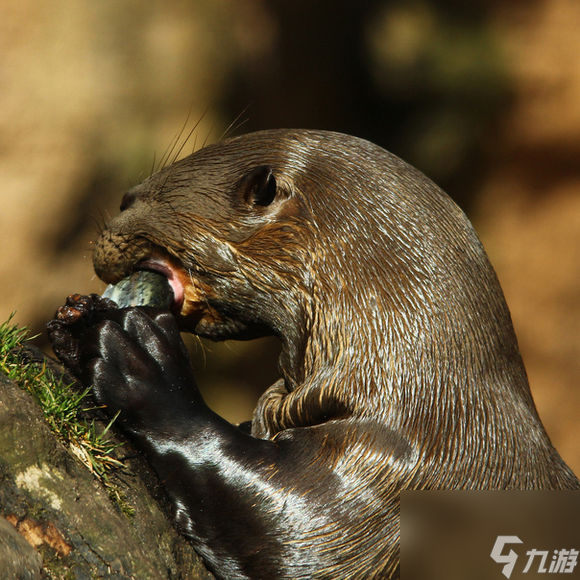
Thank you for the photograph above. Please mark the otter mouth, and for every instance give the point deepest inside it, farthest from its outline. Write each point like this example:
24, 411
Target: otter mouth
161, 281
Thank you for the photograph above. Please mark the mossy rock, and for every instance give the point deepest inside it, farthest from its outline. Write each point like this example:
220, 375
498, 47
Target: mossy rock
58, 519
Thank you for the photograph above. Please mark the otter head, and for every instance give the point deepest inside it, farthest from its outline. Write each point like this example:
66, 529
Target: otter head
224, 226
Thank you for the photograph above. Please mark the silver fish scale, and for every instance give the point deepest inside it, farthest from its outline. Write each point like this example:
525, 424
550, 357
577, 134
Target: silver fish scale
142, 288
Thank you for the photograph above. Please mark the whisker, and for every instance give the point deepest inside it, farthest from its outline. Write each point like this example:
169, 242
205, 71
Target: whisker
169, 152
209, 132
236, 123
186, 140
99, 221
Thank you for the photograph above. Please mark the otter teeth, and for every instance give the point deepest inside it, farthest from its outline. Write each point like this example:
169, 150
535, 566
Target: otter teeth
142, 288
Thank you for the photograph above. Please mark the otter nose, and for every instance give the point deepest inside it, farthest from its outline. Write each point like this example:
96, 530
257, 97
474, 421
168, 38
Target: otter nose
128, 200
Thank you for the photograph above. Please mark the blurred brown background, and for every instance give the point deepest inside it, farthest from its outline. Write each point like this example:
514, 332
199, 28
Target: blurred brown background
483, 96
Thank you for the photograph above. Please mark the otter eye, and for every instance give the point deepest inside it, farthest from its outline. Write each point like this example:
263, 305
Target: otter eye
260, 187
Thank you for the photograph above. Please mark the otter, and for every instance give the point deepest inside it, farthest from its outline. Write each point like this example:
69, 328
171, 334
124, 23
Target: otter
399, 365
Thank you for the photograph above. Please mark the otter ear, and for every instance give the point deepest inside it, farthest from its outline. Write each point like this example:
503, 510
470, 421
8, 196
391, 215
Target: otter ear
259, 187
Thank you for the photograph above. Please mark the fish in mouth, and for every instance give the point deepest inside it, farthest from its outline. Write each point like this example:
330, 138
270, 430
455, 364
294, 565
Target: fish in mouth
154, 283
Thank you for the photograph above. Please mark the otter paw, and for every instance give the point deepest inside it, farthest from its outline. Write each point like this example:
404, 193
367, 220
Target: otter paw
70, 323
137, 364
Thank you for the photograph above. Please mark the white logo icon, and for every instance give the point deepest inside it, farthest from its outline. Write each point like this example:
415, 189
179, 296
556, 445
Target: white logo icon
510, 559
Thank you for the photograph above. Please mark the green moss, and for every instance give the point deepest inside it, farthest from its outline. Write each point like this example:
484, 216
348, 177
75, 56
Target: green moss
63, 407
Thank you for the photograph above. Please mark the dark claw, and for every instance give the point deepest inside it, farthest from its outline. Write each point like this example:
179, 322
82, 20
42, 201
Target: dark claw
70, 324
133, 358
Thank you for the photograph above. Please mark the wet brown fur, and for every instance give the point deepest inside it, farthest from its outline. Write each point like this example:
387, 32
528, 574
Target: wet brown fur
398, 352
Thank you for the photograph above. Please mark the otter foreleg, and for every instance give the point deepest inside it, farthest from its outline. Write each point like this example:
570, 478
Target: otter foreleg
253, 508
